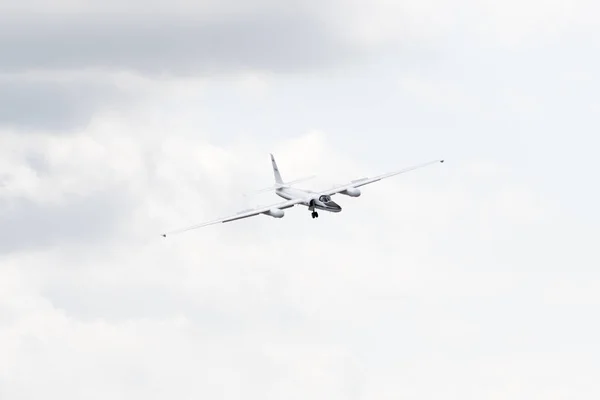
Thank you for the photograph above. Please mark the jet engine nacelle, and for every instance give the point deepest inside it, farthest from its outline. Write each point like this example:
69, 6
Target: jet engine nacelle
275, 213
352, 192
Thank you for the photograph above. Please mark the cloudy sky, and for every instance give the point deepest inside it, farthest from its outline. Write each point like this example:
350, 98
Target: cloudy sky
475, 279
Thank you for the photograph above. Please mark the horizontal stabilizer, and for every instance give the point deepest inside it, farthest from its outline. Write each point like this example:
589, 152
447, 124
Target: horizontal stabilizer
281, 185
290, 183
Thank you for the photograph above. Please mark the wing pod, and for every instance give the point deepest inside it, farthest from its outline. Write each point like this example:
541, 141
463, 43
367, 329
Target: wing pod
352, 192
275, 213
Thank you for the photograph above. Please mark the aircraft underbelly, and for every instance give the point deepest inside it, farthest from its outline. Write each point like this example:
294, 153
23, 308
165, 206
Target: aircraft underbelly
325, 208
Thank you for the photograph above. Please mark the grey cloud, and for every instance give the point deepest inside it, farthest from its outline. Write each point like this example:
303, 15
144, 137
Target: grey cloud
170, 44
48, 105
149, 45
82, 219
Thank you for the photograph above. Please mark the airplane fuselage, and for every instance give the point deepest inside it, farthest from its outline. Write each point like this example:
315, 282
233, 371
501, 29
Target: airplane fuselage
312, 200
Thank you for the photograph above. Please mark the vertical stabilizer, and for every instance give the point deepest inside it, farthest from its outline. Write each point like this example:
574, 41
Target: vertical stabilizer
276, 173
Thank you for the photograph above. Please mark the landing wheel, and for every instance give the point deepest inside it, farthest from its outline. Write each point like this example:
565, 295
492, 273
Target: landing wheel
315, 214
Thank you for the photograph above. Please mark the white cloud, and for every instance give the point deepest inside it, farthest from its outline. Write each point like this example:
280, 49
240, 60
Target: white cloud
471, 279
444, 95
265, 307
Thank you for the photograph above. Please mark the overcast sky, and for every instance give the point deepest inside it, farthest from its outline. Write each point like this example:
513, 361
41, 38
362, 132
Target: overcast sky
475, 279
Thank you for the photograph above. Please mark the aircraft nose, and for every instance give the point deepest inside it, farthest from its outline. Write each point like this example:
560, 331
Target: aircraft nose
335, 206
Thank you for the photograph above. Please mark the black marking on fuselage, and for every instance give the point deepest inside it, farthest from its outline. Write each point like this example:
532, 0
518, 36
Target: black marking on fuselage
325, 207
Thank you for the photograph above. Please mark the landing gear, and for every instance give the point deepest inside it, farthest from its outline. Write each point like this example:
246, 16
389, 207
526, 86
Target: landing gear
311, 207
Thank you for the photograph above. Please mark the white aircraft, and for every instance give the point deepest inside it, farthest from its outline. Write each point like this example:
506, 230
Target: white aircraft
294, 196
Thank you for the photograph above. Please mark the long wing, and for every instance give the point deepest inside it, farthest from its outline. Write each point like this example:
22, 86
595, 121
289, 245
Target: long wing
242, 214
365, 181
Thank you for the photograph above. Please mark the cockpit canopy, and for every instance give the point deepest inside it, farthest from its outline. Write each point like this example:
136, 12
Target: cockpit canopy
325, 199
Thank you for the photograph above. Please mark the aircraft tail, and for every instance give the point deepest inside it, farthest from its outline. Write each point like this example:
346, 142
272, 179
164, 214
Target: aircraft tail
279, 183
277, 175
